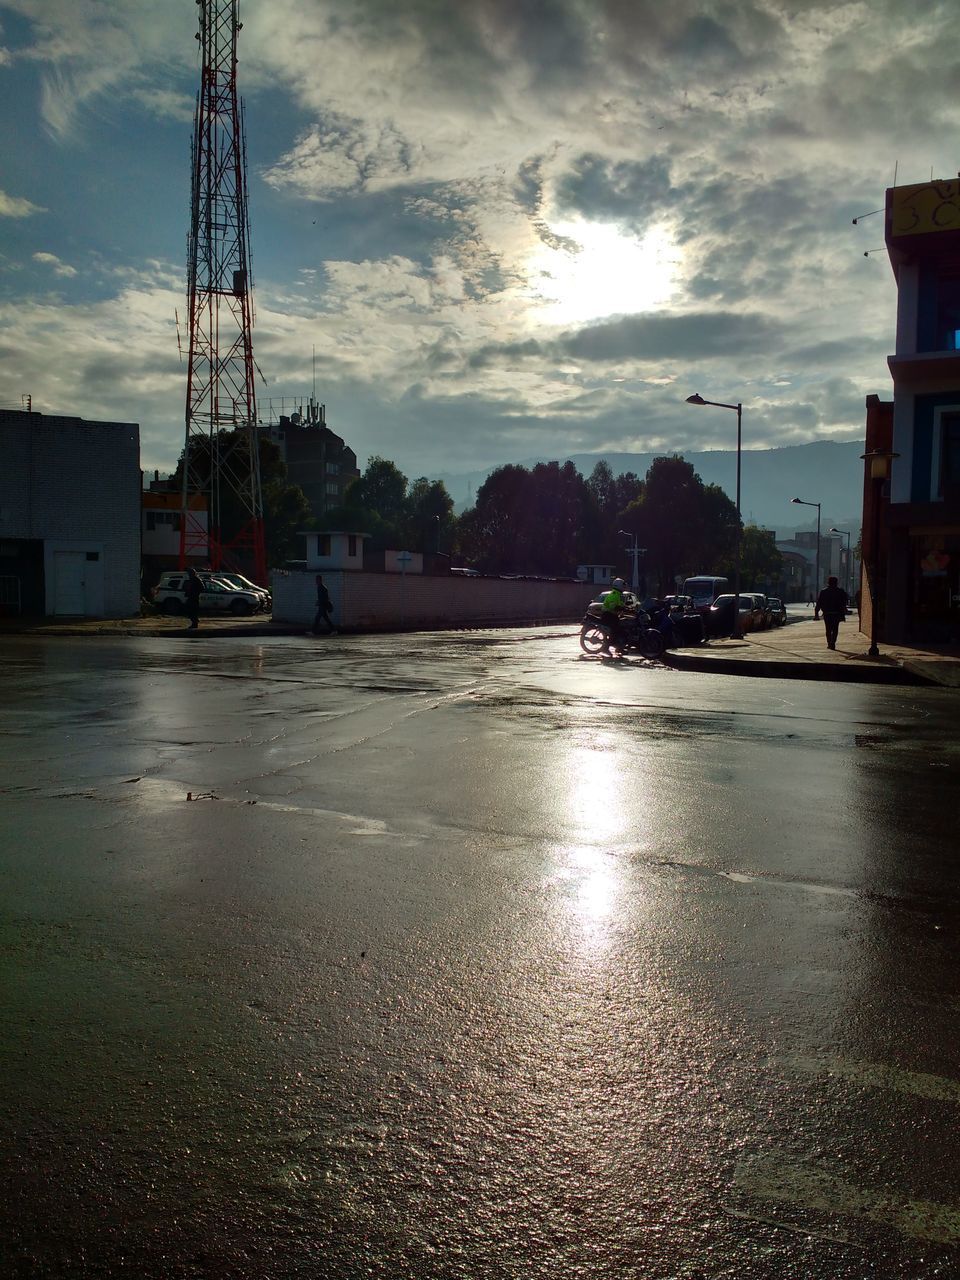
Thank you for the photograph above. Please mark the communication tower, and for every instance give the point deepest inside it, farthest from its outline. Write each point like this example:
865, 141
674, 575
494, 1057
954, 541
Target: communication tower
221, 460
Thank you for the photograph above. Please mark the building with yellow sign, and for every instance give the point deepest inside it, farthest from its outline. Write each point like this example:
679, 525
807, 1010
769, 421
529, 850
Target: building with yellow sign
915, 489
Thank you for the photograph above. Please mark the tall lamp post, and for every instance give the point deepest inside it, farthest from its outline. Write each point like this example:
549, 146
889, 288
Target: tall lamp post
848, 576
879, 460
804, 503
635, 552
738, 408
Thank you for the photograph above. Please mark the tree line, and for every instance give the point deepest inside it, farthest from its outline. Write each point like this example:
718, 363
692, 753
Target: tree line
545, 520
548, 519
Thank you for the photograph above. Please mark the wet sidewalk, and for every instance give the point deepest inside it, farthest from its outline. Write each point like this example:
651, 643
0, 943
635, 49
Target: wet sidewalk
799, 651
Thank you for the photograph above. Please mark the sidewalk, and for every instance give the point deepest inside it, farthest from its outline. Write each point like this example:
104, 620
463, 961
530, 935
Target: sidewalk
798, 651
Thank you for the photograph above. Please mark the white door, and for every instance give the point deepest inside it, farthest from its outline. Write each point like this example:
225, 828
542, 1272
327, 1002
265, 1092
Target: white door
69, 588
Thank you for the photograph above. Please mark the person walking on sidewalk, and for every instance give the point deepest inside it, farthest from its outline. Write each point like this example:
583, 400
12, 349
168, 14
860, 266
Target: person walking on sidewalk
323, 609
832, 603
192, 589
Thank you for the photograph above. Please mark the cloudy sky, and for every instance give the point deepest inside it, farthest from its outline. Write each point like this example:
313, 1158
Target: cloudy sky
496, 229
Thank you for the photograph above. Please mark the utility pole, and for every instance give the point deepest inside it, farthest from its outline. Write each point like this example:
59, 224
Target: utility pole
221, 457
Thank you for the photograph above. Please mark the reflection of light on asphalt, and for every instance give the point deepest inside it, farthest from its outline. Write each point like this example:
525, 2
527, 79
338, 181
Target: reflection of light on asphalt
595, 887
593, 803
595, 819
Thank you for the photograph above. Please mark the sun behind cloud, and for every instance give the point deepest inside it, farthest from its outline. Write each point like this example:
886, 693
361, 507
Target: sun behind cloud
592, 270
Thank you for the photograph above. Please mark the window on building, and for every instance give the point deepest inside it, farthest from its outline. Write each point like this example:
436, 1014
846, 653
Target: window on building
948, 313
949, 451
324, 544
163, 520
333, 487
93, 555
352, 545
333, 469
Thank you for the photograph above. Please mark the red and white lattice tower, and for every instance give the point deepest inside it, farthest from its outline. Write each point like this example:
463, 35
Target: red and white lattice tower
221, 460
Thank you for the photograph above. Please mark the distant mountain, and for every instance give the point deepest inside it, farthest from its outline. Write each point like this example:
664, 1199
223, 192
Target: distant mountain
826, 471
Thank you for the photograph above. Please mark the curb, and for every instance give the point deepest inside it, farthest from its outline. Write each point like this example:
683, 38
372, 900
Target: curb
772, 669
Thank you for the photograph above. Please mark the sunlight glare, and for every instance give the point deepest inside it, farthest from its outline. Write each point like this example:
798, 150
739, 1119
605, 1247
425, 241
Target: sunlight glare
600, 271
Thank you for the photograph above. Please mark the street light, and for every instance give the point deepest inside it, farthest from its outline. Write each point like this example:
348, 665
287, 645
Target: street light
804, 503
880, 460
717, 404
848, 576
636, 552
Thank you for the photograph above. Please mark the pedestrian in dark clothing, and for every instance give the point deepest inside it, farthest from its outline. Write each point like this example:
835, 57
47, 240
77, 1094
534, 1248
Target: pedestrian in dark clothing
192, 591
832, 603
323, 610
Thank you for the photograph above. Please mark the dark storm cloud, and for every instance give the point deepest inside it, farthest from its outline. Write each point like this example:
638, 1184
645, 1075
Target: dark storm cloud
630, 192
688, 338
105, 373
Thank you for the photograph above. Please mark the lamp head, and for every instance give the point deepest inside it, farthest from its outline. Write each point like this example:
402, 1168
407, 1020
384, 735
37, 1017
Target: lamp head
800, 500
695, 399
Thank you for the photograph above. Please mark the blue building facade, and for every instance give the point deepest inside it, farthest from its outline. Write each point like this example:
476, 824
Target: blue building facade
922, 510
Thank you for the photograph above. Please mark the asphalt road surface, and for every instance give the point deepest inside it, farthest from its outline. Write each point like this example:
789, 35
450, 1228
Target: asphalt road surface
466, 956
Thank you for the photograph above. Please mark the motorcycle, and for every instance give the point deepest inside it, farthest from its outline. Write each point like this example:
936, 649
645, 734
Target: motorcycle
635, 632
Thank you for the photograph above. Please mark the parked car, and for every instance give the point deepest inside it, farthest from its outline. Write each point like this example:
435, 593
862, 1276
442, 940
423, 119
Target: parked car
244, 584
764, 612
778, 611
719, 617
217, 596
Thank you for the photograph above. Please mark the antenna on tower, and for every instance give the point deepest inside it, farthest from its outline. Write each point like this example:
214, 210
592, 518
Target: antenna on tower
222, 517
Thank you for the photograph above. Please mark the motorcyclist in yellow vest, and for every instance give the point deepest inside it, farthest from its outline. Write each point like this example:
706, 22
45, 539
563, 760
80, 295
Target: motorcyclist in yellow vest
614, 605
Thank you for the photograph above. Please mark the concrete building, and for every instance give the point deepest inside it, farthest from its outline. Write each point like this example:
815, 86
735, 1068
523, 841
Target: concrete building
912, 500
316, 459
69, 516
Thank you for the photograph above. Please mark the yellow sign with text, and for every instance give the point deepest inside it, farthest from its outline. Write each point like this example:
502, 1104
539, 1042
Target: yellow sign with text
925, 207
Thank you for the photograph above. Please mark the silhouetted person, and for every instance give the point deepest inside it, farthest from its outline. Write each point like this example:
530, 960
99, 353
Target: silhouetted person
191, 591
832, 603
323, 609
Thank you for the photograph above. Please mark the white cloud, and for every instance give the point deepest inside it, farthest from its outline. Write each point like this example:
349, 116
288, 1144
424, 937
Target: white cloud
17, 206
114, 359
166, 103
51, 260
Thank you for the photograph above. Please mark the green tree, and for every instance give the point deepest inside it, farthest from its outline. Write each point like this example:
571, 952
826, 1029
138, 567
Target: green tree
719, 533
430, 520
760, 561
286, 513
286, 510
375, 503
494, 532
668, 519
686, 527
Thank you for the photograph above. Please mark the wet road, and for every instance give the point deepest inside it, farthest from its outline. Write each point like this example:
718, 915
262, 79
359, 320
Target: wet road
472, 958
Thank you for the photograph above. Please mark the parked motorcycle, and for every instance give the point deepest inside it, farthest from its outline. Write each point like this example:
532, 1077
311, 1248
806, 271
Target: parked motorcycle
635, 632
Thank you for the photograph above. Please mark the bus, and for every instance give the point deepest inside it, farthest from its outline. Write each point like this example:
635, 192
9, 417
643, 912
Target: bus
704, 589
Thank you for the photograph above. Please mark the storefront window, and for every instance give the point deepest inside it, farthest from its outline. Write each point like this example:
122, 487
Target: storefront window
936, 587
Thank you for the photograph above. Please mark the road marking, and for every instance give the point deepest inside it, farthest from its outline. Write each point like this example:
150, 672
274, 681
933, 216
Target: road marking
776, 1181
878, 1075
